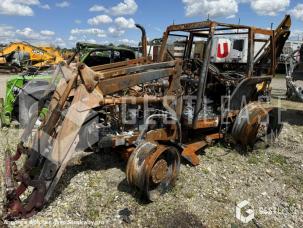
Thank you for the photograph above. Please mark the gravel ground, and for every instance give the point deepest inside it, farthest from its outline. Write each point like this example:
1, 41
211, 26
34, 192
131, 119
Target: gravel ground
93, 190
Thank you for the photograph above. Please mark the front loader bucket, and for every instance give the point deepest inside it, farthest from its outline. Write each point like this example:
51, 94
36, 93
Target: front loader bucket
46, 161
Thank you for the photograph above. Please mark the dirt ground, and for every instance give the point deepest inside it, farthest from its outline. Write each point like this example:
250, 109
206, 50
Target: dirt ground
94, 191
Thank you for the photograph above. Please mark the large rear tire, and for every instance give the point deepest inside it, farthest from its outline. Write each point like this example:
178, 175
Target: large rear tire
256, 124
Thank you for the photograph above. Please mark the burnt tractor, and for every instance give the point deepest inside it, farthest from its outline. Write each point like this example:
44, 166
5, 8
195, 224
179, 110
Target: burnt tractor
153, 113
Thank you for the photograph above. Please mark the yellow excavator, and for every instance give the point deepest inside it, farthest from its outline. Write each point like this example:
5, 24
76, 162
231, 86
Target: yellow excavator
18, 56
54, 52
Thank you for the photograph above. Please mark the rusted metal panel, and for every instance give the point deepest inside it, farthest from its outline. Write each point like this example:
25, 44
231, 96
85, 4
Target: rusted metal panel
190, 150
206, 123
134, 69
251, 50
119, 64
116, 84
203, 76
131, 100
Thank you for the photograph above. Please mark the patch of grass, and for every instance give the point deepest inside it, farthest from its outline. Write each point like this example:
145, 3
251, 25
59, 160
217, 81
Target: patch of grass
253, 159
92, 210
92, 183
291, 201
209, 155
277, 159
256, 158
93, 214
295, 181
97, 195
219, 159
205, 171
189, 194
221, 199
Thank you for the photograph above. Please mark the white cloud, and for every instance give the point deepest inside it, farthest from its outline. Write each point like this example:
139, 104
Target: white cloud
6, 32
125, 23
18, 7
28, 33
105, 42
269, 7
47, 33
127, 7
9, 34
231, 16
91, 31
63, 4
128, 42
101, 19
77, 21
115, 32
92, 41
72, 38
60, 42
98, 8
28, 2
296, 34
213, 8
297, 12
46, 7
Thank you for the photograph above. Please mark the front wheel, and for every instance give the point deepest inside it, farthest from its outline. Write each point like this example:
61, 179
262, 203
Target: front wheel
153, 169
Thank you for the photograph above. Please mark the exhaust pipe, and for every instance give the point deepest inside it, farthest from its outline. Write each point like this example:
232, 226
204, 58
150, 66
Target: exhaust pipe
143, 40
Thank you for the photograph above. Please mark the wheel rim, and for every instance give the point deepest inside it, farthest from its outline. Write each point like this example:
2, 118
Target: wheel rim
153, 169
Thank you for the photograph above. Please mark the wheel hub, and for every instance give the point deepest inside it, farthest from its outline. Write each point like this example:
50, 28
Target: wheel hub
159, 171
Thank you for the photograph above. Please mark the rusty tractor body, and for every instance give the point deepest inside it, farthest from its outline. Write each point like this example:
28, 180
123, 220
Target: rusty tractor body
152, 113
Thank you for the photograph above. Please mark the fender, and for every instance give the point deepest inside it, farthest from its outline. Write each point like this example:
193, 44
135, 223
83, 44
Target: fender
246, 89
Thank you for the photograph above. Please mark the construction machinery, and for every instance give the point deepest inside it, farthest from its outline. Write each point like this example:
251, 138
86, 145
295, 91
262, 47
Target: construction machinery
152, 113
54, 52
294, 75
19, 56
23, 91
95, 54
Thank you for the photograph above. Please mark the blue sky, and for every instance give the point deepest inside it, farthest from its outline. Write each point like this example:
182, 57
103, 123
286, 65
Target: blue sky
65, 22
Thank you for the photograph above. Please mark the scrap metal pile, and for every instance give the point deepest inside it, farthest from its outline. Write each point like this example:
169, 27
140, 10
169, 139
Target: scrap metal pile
151, 112
24, 90
294, 77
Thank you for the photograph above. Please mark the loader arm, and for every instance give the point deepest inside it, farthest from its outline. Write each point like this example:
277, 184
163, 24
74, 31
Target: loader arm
281, 34
80, 91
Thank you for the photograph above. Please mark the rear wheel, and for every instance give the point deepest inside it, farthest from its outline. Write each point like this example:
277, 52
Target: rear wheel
255, 126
